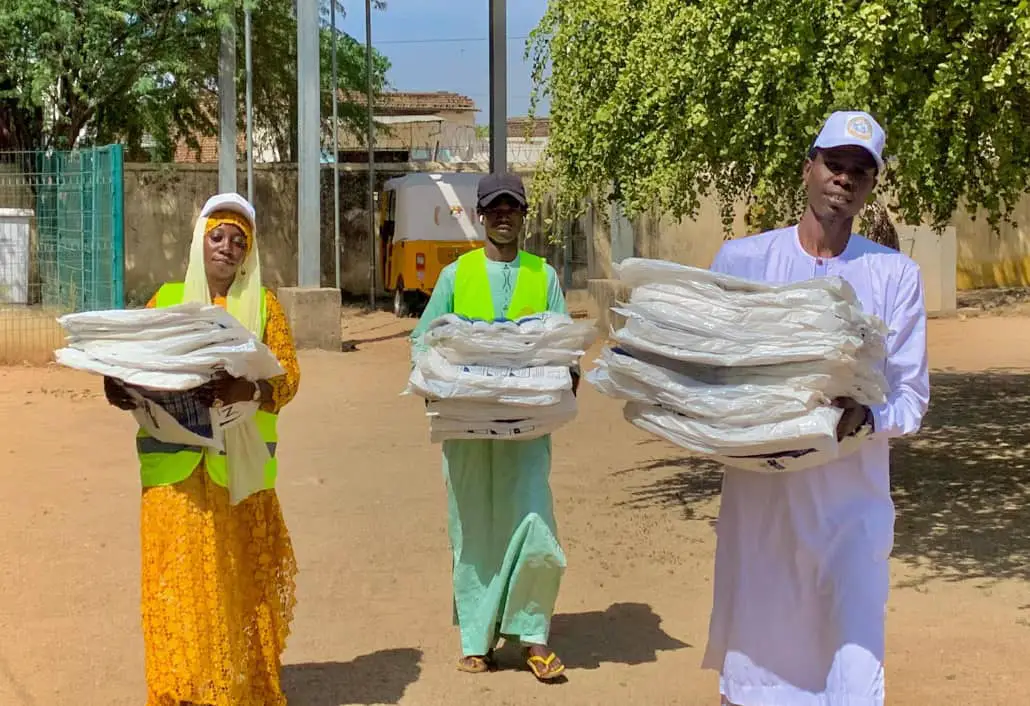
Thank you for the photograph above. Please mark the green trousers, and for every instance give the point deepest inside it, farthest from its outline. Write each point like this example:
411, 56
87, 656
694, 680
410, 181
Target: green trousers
508, 564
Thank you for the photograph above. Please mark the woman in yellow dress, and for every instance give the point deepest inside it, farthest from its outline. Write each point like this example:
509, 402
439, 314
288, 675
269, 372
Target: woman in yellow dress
218, 578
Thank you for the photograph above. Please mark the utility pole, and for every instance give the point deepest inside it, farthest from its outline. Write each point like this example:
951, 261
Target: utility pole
227, 103
308, 146
371, 139
336, 145
498, 86
247, 29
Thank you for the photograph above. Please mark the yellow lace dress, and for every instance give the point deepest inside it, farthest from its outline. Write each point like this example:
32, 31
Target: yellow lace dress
218, 580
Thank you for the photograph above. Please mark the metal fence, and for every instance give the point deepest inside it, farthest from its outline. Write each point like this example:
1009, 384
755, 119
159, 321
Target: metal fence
61, 244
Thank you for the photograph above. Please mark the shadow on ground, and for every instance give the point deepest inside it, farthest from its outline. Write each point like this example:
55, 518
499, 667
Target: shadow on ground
961, 486
379, 678
625, 633
350, 345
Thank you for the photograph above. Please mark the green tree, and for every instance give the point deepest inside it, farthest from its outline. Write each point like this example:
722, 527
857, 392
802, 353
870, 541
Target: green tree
675, 100
275, 76
76, 72
67, 67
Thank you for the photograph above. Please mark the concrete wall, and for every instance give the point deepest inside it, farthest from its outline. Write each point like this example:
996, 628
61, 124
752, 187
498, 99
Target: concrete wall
161, 206
935, 253
988, 259
688, 242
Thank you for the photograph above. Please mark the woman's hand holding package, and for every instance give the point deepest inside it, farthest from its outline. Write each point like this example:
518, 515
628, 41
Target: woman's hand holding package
117, 394
226, 390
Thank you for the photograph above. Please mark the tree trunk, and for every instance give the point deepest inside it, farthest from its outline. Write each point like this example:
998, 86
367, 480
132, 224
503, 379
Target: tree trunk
877, 225
20, 128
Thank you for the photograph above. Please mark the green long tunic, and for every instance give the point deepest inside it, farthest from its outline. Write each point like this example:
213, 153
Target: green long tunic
507, 564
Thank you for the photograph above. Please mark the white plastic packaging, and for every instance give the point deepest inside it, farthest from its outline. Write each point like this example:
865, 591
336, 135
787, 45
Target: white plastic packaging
458, 419
174, 348
177, 349
816, 429
441, 429
434, 378
475, 411
500, 380
742, 372
542, 340
624, 377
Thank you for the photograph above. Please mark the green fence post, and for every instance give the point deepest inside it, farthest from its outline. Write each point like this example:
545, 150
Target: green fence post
118, 226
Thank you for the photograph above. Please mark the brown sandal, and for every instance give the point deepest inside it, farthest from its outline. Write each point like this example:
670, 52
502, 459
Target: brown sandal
475, 664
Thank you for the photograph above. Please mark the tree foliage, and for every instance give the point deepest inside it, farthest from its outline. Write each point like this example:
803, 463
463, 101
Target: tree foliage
675, 100
275, 77
75, 72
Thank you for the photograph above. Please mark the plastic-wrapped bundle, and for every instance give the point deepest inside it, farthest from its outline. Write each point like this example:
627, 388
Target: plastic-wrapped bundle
815, 429
788, 445
623, 376
459, 419
742, 372
645, 334
636, 272
433, 378
541, 340
175, 348
502, 380
164, 355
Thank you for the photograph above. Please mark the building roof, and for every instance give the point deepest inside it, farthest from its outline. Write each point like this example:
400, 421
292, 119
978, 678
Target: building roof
401, 102
536, 127
407, 119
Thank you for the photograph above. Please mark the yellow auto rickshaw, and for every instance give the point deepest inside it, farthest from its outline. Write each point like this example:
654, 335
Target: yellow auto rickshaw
427, 222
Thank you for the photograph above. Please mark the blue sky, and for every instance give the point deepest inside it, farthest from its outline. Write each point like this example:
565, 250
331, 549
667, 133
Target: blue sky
408, 32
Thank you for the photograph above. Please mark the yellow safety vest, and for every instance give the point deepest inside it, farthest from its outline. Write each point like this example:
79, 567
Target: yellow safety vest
166, 464
472, 295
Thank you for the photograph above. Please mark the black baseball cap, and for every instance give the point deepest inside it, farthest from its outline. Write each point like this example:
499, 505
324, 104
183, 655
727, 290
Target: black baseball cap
494, 186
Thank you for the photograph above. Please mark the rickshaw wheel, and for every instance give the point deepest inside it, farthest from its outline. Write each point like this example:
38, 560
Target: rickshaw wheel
400, 302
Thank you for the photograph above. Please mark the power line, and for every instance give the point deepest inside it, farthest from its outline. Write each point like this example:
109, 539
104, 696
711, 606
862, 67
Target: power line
447, 40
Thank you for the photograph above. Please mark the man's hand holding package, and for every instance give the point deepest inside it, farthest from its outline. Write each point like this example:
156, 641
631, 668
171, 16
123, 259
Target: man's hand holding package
854, 417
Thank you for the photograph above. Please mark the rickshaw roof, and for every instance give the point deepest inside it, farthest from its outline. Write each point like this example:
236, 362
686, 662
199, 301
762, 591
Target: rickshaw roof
436, 206
463, 179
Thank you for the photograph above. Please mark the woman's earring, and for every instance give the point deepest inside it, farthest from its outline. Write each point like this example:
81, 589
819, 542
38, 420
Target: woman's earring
243, 271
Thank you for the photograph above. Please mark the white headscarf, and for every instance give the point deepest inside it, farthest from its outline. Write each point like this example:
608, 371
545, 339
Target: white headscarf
244, 296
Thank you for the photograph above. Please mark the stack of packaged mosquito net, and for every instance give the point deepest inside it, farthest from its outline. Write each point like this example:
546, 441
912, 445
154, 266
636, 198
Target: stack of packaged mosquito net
499, 380
162, 356
742, 372
172, 349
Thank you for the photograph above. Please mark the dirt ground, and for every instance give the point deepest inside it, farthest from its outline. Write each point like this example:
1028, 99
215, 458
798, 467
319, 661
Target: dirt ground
362, 491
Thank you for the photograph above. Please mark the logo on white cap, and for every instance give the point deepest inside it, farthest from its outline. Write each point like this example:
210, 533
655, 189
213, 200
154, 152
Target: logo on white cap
859, 127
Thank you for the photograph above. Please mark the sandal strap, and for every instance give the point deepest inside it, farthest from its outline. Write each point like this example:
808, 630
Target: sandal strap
546, 661
541, 666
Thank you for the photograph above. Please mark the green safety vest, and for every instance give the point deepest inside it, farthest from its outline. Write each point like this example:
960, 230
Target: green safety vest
166, 464
472, 295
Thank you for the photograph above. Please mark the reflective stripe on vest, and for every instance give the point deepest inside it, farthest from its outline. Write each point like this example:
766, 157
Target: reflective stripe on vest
150, 445
162, 463
474, 299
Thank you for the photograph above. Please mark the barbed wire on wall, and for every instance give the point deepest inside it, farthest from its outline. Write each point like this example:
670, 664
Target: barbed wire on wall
522, 152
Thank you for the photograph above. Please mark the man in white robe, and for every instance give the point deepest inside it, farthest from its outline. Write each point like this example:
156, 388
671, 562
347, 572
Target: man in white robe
801, 568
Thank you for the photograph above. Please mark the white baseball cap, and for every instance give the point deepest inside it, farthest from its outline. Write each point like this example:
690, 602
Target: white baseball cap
854, 128
230, 202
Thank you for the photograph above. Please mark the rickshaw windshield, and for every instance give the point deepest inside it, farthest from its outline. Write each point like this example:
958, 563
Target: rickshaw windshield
437, 207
